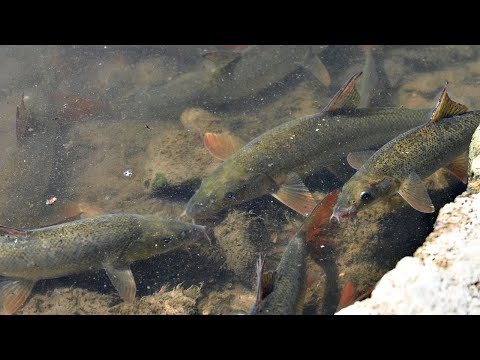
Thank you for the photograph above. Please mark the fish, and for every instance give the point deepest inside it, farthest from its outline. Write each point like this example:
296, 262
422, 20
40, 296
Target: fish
370, 77
28, 169
275, 162
110, 241
282, 292
401, 164
236, 76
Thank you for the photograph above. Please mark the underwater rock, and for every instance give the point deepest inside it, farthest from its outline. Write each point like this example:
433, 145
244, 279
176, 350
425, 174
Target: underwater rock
240, 237
178, 301
442, 276
179, 155
68, 301
227, 302
159, 182
474, 162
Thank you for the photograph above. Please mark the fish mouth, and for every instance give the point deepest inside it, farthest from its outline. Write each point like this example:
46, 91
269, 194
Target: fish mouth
348, 213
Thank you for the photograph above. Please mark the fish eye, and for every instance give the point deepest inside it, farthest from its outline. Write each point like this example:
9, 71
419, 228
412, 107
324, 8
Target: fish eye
167, 240
229, 195
365, 195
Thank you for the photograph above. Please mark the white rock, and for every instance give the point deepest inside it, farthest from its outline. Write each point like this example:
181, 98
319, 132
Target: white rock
443, 276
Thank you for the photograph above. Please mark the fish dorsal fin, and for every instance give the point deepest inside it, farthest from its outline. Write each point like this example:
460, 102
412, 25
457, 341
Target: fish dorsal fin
446, 107
320, 216
293, 193
415, 193
13, 231
459, 167
222, 58
346, 98
13, 294
121, 277
357, 159
316, 67
222, 146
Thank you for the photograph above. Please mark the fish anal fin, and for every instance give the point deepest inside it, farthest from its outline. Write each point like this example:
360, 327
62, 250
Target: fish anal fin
459, 167
13, 231
222, 146
293, 193
346, 98
122, 278
415, 193
13, 294
357, 159
446, 107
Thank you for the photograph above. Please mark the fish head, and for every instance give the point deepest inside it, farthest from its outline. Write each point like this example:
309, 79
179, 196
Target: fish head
224, 189
162, 234
360, 192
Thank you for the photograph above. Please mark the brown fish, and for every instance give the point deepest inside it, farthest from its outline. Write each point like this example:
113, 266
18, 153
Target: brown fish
401, 164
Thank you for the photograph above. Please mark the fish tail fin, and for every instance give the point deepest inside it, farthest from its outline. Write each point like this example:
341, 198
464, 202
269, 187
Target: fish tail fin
13, 294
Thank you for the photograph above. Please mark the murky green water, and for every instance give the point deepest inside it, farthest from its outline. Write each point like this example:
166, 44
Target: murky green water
119, 129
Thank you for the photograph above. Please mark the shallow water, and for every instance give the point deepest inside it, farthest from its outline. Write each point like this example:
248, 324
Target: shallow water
117, 129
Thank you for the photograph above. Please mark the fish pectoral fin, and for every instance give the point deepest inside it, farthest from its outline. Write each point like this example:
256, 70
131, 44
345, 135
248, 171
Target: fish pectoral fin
13, 294
357, 159
459, 167
415, 193
122, 278
346, 98
222, 146
13, 231
348, 296
320, 217
293, 193
446, 107
316, 67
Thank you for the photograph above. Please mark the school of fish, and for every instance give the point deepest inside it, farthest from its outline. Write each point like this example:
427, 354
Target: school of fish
393, 150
